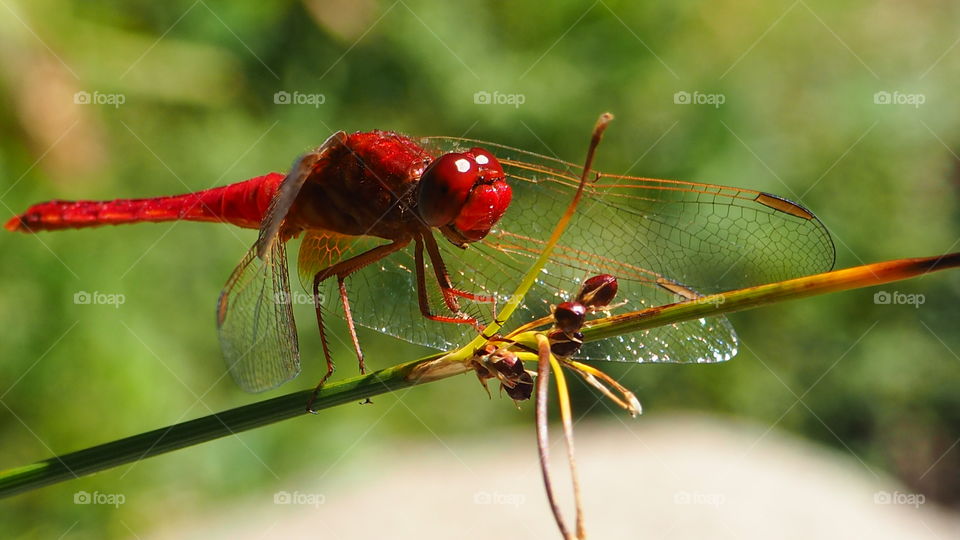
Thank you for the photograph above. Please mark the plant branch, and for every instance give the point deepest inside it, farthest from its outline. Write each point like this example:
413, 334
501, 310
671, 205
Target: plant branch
856, 277
208, 428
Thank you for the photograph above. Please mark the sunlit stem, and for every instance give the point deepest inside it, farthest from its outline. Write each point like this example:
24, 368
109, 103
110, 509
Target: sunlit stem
543, 435
590, 374
563, 396
592, 381
230, 422
531, 276
727, 302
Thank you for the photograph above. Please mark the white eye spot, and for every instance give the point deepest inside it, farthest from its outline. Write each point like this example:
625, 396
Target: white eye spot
462, 164
482, 159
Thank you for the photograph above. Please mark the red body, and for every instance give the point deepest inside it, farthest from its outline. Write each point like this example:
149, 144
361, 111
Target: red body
376, 183
242, 204
376, 168
661, 238
366, 186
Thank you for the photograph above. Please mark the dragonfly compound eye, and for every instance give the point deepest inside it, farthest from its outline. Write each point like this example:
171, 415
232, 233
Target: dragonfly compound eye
490, 168
445, 186
464, 194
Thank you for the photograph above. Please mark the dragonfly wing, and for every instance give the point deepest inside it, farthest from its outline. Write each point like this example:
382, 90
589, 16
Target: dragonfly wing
288, 191
383, 297
481, 267
701, 341
258, 335
658, 237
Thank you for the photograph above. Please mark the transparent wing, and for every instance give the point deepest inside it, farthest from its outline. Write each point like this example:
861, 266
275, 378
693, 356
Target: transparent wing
382, 295
664, 240
258, 335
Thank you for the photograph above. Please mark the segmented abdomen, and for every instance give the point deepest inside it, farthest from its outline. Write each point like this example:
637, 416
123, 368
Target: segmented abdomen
242, 204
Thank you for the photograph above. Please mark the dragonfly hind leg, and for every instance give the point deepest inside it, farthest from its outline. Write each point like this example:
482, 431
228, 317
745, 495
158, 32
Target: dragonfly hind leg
341, 270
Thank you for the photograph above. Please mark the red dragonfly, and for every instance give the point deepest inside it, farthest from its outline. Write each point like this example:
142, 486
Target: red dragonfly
360, 200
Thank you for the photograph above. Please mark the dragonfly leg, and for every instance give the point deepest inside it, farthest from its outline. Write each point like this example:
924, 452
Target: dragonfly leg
352, 328
450, 293
341, 270
323, 343
424, 302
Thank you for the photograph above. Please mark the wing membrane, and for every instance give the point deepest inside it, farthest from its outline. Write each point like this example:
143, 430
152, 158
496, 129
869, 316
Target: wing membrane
656, 236
258, 336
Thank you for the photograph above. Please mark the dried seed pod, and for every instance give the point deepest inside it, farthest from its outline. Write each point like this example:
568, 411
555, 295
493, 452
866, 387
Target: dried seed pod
563, 344
522, 387
570, 316
598, 291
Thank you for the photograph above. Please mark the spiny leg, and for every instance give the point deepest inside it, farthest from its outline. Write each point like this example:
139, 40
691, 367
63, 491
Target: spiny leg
323, 340
353, 330
343, 269
446, 287
350, 326
424, 302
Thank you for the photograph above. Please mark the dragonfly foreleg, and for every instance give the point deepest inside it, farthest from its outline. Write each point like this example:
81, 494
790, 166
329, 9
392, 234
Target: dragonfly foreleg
450, 293
424, 302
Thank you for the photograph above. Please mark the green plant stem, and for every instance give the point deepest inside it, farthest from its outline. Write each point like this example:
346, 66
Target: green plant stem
105, 456
207, 428
728, 302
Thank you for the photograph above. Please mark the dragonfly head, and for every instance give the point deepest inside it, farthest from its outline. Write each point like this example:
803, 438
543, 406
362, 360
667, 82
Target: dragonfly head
464, 194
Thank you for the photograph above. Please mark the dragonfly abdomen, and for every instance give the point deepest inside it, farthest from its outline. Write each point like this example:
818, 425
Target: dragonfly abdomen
242, 204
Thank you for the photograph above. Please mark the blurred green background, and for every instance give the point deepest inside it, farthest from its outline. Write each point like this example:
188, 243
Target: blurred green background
800, 119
